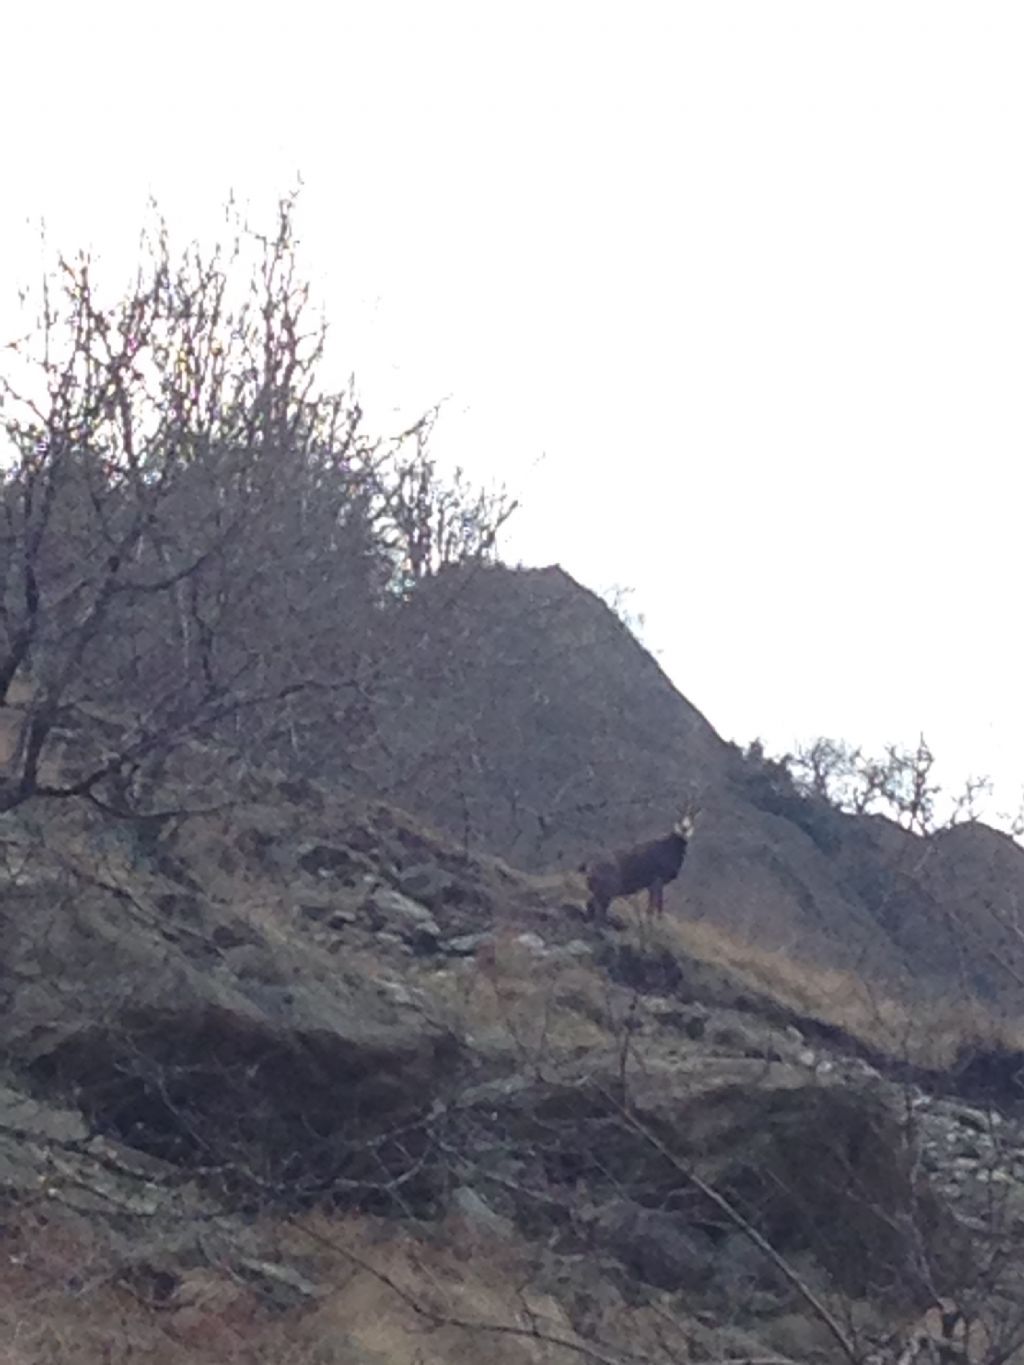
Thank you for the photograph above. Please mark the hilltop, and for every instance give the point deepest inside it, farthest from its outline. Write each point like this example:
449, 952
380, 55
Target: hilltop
524, 719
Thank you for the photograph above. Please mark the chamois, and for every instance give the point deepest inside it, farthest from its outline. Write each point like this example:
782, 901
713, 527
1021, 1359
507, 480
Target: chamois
648, 866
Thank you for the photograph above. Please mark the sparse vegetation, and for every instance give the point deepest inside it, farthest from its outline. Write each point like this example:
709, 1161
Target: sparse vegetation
900, 784
192, 527
291, 1074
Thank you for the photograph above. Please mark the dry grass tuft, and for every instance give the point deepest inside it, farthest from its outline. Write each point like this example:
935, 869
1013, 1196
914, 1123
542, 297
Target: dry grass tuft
924, 1034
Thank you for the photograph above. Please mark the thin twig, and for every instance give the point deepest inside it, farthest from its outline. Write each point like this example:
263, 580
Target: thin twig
436, 1318
737, 1219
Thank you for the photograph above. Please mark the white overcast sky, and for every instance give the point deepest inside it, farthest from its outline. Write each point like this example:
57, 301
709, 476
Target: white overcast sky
730, 293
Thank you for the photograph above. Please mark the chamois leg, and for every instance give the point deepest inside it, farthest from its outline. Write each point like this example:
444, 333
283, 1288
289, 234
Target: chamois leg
597, 908
656, 902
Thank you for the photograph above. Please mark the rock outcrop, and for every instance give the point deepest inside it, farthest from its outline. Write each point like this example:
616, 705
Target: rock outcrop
305, 1030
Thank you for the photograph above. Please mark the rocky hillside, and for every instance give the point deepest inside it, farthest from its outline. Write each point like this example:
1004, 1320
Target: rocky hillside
525, 718
291, 1078
521, 716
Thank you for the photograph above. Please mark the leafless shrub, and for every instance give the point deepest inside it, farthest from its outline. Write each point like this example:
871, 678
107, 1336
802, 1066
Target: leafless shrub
901, 783
195, 538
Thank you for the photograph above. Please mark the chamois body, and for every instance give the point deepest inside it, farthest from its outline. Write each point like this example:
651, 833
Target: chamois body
644, 867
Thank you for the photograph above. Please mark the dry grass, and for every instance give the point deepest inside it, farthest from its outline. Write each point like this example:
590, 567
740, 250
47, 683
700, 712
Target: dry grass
486, 1284
64, 1301
536, 1003
547, 1003
923, 1033
508, 994
462, 1295
926, 1034
454, 1295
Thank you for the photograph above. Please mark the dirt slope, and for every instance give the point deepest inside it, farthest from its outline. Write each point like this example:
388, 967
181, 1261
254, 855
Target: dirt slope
296, 1080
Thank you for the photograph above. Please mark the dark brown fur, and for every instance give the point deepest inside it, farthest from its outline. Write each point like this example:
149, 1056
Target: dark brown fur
644, 867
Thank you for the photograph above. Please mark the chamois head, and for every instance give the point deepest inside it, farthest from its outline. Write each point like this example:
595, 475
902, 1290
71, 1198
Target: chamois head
644, 867
684, 826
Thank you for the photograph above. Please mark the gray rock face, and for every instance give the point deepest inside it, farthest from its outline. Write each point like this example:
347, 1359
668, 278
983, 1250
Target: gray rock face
967, 1150
740, 1266
533, 943
477, 1211
465, 945
166, 1037
403, 912
327, 860
656, 1246
426, 882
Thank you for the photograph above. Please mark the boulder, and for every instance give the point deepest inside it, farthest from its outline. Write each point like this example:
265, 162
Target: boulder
401, 912
427, 882
189, 1054
656, 1246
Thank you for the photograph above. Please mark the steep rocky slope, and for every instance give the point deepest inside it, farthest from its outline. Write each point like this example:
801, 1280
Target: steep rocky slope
520, 715
292, 1078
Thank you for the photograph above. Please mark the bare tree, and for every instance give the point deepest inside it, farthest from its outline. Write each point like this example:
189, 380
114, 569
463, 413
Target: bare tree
901, 783
429, 524
191, 529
